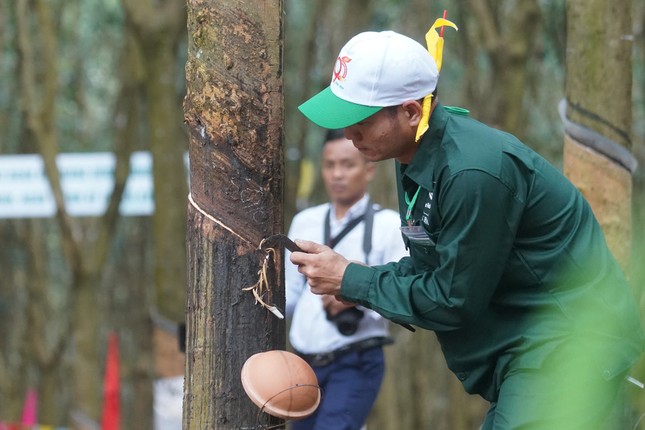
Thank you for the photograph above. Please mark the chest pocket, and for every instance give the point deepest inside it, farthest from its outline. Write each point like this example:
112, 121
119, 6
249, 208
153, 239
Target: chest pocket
425, 233
424, 257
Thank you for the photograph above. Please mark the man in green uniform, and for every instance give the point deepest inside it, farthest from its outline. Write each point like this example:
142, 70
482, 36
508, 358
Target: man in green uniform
507, 263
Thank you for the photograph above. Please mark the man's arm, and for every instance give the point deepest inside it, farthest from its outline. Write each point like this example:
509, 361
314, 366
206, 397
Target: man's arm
403, 267
480, 216
479, 221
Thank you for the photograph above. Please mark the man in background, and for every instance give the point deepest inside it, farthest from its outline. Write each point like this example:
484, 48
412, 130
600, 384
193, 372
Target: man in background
343, 343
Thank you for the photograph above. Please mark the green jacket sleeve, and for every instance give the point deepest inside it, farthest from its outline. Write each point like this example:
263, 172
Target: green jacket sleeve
479, 218
402, 267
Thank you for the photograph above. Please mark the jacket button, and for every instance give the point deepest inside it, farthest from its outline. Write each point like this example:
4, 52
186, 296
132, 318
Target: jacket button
462, 376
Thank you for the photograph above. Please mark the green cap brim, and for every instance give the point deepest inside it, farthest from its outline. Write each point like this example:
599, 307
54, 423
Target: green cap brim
330, 111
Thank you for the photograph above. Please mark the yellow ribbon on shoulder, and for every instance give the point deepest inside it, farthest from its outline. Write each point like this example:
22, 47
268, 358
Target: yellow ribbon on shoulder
435, 48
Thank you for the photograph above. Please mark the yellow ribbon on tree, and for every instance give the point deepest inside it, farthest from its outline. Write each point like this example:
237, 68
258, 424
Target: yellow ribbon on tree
435, 48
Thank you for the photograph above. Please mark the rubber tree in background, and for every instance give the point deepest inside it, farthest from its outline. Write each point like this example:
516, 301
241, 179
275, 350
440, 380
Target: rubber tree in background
597, 116
85, 255
234, 112
159, 28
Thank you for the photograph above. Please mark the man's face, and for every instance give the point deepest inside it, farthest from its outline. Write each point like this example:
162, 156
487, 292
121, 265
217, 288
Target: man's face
389, 133
345, 172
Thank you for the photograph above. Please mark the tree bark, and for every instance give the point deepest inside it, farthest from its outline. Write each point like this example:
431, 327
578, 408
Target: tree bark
158, 39
598, 91
234, 113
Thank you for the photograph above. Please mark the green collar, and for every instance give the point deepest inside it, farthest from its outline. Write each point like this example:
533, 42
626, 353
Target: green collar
428, 145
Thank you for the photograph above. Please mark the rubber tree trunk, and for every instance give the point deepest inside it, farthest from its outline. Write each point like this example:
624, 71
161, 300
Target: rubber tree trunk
234, 113
598, 91
158, 40
598, 122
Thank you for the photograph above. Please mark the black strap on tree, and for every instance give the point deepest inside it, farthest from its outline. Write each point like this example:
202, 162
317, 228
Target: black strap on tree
368, 217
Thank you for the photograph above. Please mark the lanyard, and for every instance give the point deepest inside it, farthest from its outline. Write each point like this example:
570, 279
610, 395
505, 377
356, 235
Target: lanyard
411, 204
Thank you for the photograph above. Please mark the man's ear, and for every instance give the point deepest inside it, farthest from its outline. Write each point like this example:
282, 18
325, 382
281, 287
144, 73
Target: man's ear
413, 111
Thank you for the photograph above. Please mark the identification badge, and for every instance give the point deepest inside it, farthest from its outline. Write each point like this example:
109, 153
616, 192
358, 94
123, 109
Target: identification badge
417, 234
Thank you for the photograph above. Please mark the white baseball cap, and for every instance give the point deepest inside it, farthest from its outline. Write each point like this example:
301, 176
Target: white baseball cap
373, 70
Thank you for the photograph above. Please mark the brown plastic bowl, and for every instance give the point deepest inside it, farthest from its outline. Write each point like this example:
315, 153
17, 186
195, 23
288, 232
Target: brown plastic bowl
281, 383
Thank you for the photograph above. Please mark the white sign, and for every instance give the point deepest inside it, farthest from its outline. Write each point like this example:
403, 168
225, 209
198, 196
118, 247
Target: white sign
87, 180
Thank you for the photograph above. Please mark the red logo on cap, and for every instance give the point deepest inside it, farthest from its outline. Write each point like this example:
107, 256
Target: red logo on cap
340, 69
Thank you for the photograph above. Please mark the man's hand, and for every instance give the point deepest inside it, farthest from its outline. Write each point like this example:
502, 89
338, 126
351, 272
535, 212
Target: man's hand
323, 267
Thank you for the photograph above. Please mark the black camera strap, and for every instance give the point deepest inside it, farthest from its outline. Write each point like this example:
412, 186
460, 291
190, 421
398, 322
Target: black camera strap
368, 217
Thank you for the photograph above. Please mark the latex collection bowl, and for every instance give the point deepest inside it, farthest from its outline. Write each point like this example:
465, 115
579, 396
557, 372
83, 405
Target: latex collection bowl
282, 384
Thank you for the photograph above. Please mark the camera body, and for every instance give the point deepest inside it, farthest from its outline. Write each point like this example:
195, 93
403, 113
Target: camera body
346, 320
